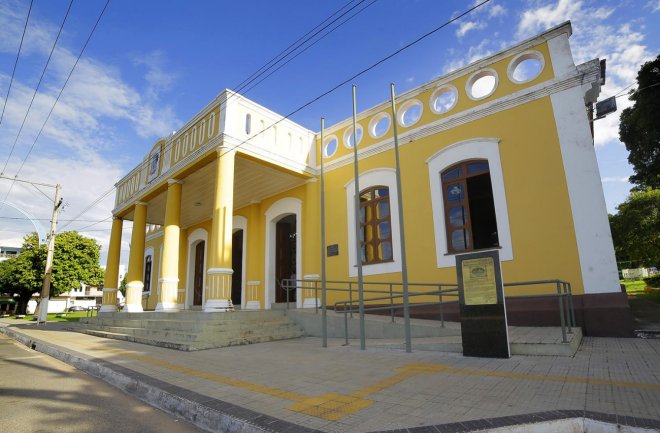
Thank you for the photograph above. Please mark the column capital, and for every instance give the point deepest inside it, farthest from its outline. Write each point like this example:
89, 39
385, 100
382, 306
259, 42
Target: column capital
312, 180
174, 181
140, 203
117, 218
222, 149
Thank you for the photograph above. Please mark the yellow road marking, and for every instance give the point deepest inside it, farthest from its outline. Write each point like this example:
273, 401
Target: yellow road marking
334, 407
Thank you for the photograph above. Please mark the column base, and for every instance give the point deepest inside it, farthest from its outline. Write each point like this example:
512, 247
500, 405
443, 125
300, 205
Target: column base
311, 303
218, 306
108, 308
253, 305
133, 308
167, 307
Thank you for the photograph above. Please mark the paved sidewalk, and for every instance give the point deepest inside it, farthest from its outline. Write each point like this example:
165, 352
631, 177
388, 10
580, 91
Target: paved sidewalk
296, 385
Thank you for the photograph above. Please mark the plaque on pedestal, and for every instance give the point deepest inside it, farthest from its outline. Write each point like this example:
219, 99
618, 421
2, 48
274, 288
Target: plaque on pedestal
483, 312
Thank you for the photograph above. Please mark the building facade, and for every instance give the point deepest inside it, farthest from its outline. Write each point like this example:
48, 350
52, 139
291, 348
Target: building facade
498, 154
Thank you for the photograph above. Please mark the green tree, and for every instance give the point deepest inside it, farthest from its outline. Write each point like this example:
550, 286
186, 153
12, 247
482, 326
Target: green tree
23, 275
636, 229
640, 127
75, 261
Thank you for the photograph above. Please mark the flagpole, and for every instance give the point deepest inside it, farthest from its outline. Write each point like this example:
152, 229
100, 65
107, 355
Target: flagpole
358, 246
402, 237
324, 319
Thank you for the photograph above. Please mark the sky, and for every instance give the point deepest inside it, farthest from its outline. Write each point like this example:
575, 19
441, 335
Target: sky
151, 65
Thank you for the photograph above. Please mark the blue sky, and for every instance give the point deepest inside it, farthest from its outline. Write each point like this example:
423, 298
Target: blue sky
151, 65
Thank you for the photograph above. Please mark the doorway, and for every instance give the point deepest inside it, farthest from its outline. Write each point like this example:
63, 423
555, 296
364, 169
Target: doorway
285, 257
237, 267
198, 278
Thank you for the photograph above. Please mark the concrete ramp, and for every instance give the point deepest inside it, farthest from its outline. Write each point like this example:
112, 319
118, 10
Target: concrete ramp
430, 335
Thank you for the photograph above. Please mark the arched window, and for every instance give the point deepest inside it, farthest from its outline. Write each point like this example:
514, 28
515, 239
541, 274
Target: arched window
147, 274
375, 225
469, 208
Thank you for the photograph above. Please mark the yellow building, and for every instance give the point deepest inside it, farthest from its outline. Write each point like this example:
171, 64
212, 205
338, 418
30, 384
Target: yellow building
498, 154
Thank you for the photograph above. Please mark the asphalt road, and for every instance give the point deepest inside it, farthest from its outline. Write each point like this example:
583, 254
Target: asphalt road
41, 394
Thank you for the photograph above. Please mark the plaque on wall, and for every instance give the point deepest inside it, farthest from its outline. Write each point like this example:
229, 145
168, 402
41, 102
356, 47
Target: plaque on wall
483, 311
333, 250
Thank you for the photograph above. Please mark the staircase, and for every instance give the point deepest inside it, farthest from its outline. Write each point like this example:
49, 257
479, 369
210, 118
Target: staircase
191, 330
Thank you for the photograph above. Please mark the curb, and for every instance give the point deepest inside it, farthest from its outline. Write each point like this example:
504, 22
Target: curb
204, 412
215, 415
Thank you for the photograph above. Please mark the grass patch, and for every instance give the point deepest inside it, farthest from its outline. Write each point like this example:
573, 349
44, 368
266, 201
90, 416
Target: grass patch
63, 317
639, 289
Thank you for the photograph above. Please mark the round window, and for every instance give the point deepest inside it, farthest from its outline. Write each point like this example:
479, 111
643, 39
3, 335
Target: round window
482, 84
330, 146
444, 99
380, 125
410, 113
349, 137
525, 67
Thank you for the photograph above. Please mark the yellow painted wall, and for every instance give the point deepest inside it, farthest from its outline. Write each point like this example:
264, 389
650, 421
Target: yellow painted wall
540, 220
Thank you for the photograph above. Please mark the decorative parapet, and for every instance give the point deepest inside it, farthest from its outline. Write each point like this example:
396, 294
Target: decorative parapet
232, 120
487, 86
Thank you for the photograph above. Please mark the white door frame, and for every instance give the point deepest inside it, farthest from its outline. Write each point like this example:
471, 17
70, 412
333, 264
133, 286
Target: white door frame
277, 211
197, 236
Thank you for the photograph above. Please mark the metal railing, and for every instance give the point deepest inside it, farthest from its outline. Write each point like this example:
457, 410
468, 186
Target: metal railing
388, 295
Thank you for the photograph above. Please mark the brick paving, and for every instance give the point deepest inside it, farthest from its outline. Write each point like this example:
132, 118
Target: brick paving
296, 385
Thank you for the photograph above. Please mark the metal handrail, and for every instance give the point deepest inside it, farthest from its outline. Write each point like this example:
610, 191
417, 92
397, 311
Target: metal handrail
564, 295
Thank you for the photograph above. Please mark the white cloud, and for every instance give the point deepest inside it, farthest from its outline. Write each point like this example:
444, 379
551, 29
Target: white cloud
535, 20
466, 26
81, 146
496, 11
473, 54
654, 5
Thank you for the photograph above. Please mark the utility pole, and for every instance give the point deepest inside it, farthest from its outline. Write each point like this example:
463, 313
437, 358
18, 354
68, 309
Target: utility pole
45, 291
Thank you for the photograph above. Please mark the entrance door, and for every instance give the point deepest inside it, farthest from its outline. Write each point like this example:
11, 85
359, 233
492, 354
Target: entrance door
198, 281
237, 266
285, 256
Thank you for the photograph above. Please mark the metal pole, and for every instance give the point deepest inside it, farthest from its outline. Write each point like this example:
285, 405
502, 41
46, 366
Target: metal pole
570, 298
561, 314
567, 307
402, 237
324, 318
358, 246
45, 290
442, 310
391, 303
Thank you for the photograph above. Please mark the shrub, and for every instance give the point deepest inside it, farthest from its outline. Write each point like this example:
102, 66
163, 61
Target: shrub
653, 281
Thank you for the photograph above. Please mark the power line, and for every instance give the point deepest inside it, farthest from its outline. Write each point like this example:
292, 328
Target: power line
297, 44
358, 74
638, 90
18, 54
43, 72
362, 72
48, 219
59, 95
310, 45
268, 65
89, 207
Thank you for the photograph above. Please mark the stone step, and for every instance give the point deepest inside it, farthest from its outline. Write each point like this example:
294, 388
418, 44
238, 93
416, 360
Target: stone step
197, 316
188, 325
171, 342
203, 334
192, 330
